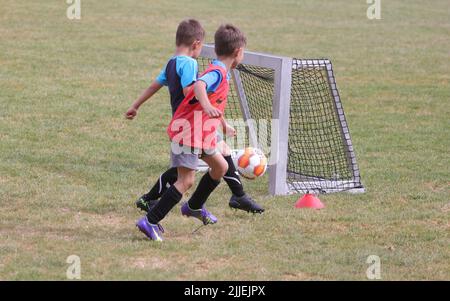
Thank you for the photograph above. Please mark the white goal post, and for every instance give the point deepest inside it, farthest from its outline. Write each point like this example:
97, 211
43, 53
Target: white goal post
298, 90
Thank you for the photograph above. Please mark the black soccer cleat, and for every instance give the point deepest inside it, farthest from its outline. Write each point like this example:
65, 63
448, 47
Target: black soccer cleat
245, 203
144, 205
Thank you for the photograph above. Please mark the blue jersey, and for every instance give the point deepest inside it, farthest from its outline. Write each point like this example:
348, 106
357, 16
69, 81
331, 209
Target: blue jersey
213, 79
180, 72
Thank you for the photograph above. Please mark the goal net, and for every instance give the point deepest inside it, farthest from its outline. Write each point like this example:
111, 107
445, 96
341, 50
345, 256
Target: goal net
291, 109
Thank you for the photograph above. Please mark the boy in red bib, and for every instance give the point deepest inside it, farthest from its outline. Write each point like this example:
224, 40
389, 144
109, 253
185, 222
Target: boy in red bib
193, 133
192, 125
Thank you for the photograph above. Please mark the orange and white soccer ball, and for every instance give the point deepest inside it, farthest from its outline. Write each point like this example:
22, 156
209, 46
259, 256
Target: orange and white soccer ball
250, 162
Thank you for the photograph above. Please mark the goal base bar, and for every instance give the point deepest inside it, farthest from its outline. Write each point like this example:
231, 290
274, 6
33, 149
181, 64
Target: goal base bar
309, 184
315, 187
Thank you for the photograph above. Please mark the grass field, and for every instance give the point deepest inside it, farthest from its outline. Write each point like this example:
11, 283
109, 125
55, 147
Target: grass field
71, 165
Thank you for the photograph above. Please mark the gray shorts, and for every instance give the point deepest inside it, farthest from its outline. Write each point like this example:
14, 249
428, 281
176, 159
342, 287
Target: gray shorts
189, 158
184, 160
183, 156
186, 156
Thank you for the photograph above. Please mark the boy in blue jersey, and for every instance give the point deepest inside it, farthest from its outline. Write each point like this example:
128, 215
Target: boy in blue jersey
181, 70
179, 74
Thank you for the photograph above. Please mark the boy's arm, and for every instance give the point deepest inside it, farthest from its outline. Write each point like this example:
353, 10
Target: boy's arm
202, 97
149, 92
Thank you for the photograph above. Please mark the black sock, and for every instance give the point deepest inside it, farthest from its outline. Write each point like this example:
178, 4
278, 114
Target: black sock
202, 192
166, 179
168, 200
232, 178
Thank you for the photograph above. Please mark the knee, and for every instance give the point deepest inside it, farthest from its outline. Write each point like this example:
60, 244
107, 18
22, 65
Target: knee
185, 183
188, 182
220, 170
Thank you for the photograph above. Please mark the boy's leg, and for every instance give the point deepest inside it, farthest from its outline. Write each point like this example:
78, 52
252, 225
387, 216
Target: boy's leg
231, 177
186, 164
210, 180
166, 179
172, 196
239, 199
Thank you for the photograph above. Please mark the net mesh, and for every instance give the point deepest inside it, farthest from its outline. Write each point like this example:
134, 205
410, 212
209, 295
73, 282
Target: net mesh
320, 151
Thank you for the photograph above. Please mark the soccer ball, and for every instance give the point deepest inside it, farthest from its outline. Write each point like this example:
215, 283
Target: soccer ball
250, 162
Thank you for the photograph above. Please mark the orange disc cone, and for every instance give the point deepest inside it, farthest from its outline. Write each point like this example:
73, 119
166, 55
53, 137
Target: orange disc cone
309, 201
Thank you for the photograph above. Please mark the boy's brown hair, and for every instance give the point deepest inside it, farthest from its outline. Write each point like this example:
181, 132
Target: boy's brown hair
188, 32
227, 39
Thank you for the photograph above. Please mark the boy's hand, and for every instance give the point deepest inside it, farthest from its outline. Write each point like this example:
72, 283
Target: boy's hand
131, 113
212, 112
229, 131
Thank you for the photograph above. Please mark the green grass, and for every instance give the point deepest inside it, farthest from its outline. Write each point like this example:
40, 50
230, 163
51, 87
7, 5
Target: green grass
71, 165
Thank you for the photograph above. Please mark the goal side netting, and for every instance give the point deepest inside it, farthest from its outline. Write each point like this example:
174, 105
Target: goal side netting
318, 156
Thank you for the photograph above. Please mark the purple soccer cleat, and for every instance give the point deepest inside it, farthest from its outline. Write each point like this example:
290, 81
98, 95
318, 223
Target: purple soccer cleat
150, 230
202, 214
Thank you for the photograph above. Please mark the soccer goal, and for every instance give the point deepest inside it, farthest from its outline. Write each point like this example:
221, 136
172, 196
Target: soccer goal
291, 109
